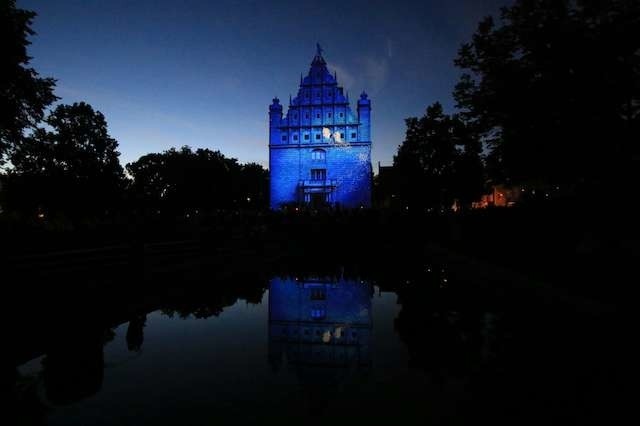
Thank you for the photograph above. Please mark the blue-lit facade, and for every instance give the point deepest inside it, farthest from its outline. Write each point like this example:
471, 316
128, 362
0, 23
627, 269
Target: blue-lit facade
320, 151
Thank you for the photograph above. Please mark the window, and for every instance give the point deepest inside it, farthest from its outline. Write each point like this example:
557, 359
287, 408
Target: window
329, 115
295, 137
318, 174
316, 314
295, 116
341, 136
353, 135
306, 115
318, 154
318, 294
318, 115
306, 136
341, 114
318, 136
284, 138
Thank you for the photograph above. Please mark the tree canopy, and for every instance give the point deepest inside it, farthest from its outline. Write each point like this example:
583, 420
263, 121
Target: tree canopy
24, 95
554, 89
438, 162
180, 179
72, 166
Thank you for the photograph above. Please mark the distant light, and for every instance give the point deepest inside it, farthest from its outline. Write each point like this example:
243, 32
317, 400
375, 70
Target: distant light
248, 199
40, 215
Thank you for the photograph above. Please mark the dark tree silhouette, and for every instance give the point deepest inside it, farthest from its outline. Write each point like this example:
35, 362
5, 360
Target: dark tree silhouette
438, 162
201, 179
554, 87
24, 95
72, 168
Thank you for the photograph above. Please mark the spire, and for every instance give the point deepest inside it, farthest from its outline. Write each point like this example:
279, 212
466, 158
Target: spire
318, 59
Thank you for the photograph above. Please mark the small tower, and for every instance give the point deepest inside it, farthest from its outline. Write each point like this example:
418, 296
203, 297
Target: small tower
364, 117
275, 121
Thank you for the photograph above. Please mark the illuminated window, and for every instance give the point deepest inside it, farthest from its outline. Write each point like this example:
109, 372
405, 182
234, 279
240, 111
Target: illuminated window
318, 136
318, 174
318, 154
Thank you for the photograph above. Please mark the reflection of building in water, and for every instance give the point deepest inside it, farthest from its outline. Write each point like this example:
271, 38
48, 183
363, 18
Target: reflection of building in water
319, 323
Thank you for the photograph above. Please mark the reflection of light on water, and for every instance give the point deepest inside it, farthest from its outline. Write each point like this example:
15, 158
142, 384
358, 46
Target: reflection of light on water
337, 334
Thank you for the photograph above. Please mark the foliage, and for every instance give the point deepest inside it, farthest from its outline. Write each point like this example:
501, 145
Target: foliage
201, 179
71, 168
554, 88
438, 162
24, 95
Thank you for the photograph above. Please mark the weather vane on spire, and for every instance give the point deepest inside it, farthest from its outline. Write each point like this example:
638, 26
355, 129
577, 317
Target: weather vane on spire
319, 49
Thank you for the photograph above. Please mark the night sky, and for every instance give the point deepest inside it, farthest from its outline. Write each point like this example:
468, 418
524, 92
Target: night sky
202, 73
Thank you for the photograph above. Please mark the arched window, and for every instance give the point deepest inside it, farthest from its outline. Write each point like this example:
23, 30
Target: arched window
318, 154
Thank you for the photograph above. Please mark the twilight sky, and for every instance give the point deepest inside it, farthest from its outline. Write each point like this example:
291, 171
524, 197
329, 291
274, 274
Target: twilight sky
202, 73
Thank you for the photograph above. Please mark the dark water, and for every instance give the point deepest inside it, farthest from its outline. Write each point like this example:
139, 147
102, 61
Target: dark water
337, 350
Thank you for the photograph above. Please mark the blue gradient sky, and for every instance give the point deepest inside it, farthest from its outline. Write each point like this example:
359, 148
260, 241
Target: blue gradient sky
202, 73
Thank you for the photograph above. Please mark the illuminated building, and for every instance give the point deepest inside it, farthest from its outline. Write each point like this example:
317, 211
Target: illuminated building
320, 151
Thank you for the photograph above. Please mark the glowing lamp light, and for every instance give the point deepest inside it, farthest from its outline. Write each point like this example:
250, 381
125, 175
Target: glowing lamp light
40, 215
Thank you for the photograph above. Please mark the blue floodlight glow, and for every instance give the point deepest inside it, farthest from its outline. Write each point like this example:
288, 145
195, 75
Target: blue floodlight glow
320, 118
319, 322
